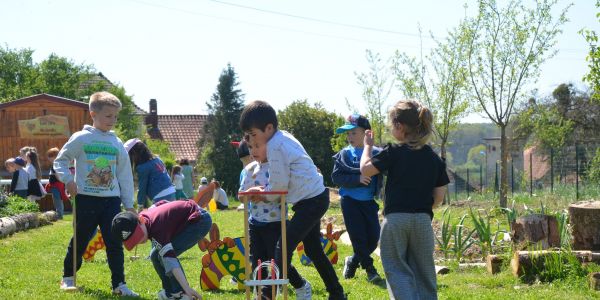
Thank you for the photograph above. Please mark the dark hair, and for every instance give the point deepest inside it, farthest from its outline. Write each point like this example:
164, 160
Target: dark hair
417, 120
184, 162
258, 114
139, 154
33, 158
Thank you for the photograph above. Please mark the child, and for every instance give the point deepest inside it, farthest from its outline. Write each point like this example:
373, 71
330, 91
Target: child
54, 186
357, 193
178, 183
20, 178
102, 181
291, 169
220, 196
416, 183
244, 155
188, 177
35, 191
173, 227
264, 221
153, 180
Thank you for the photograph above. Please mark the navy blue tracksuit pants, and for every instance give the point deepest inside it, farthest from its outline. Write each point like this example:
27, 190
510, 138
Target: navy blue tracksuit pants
363, 227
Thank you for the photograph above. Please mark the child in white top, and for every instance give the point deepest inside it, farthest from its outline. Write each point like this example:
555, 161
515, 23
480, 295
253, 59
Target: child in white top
34, 186
178, 183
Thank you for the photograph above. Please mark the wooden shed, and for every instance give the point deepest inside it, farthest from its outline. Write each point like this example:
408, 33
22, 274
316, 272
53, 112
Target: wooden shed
43, 121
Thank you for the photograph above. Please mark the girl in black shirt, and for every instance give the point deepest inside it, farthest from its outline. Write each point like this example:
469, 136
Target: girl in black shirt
416, 183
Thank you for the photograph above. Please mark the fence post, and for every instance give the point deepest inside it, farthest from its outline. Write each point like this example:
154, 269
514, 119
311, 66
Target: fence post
551, 170
531, 173
467, 184
481, 178
576, 173
456, 186
512, 177
496, 180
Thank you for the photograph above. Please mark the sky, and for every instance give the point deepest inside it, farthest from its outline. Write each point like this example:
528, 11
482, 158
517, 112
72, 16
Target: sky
174, 51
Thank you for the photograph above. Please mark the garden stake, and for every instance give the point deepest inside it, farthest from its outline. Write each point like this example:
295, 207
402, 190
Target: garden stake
135, 256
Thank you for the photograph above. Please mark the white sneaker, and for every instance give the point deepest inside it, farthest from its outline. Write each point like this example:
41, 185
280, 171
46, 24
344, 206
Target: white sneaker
67, 283
162, 295
305, 292
123, 290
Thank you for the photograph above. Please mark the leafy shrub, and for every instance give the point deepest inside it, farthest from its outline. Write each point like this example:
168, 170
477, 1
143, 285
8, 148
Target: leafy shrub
594, 169
14, 205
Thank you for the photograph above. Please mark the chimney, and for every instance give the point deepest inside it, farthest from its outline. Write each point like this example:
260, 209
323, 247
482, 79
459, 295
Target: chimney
152, 117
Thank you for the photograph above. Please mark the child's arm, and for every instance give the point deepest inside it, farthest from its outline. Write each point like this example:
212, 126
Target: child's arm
69, 152
438, 196
125, 178
366, 167
143, 175
180, 276
13, 182
345, 179
279, 168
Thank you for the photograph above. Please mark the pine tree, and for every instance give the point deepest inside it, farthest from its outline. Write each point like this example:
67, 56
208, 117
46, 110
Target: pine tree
219, 159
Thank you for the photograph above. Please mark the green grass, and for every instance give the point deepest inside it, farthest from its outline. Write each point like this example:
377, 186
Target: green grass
32, 268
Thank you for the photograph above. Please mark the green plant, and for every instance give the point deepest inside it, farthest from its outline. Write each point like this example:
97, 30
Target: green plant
14, 205
462, 241
563, 228
446, 233
511, 213
483, 227
557, 266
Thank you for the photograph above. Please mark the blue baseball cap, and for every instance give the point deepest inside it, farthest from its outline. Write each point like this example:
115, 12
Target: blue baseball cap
353, 121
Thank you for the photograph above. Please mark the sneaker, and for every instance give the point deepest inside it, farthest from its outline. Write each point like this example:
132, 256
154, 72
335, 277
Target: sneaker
372, 275
305, 292
123, 290
349, 269
67, 283
162, 295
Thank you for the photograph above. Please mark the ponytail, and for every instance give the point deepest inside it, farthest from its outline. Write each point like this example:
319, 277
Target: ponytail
417, 120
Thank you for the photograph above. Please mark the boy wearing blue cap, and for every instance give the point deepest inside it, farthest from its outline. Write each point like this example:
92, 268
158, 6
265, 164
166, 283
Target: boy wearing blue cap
357, 193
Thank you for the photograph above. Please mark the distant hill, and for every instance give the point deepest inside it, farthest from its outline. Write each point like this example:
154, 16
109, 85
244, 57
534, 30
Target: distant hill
468, 136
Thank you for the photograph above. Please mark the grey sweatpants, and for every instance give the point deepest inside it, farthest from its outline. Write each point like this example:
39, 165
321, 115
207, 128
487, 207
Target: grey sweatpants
407, 245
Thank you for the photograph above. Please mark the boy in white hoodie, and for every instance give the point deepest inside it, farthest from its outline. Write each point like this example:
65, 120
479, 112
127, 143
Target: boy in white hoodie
103, 180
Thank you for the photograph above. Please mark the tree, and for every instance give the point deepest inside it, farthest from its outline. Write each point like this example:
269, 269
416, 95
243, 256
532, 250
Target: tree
314, 128
476, 155
376, 86
62, 77
506, 47
218, 158
441, 83
593, 59
19, 75
128, 125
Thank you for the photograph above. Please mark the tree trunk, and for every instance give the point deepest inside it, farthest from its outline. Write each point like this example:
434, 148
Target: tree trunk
493, 263
539, 231
527, 263
503, 166
585, 221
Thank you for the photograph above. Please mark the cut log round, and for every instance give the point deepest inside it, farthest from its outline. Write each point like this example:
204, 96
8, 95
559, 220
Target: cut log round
494, 263
585, 222
595, 281
538, 231
528, 262
7, 227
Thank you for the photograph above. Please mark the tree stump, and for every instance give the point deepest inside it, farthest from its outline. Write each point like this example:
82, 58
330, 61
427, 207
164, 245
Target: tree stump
594, 280
585, 223
494, 263
539, 231
528, 263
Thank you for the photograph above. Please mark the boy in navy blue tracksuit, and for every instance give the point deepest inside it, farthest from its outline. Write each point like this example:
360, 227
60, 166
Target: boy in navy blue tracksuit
358, 193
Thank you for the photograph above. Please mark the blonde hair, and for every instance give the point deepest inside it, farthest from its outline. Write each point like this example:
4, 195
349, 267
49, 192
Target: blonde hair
417, 120
100, 99
52, 152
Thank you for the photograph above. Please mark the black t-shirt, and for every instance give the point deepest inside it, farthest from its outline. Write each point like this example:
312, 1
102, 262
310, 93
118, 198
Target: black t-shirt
411, 177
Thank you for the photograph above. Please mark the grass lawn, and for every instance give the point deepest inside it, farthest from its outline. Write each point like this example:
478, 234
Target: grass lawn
32, 267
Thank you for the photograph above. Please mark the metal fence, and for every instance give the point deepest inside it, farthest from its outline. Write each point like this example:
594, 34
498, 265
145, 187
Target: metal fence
545, 169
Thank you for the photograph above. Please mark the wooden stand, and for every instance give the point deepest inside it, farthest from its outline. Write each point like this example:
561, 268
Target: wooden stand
283, 281
585, 220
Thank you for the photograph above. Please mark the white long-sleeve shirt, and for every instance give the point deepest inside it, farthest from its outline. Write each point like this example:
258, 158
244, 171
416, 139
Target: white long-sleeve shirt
292, 169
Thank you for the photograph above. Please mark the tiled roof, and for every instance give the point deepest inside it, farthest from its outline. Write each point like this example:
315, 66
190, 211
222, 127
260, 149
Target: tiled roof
182, 132
107, 84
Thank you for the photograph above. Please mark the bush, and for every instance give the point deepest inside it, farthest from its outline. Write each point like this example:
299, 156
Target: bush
14, 205
594, 170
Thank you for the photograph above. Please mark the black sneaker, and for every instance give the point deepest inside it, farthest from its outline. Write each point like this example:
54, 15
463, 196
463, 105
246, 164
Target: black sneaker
349, 269
372, 275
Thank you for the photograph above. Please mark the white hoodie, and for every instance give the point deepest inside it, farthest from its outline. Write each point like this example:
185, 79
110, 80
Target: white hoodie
102, 166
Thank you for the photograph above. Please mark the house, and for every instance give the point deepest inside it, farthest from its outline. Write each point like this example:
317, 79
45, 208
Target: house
43, 121
182, 132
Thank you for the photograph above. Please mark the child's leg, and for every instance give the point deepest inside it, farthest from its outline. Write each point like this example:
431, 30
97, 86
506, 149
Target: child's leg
395, 232
420, 256
58, 204
87, 221
115, 257
185, 240
356, 215
270, 235
304, 226
373, 228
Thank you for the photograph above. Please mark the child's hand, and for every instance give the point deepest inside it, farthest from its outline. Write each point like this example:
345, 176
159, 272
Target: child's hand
365, 179
257, 198
72, 188
368, 140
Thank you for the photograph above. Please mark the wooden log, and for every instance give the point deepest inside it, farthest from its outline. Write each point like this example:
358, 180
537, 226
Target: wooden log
441, 270
594, 280
494, 263
585, 222
7, 227
528, 262
26, 221
535, 231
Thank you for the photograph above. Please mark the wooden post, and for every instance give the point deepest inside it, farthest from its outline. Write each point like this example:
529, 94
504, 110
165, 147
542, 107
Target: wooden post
585, 221
493, 263
594, 280
248, 268
284, 245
